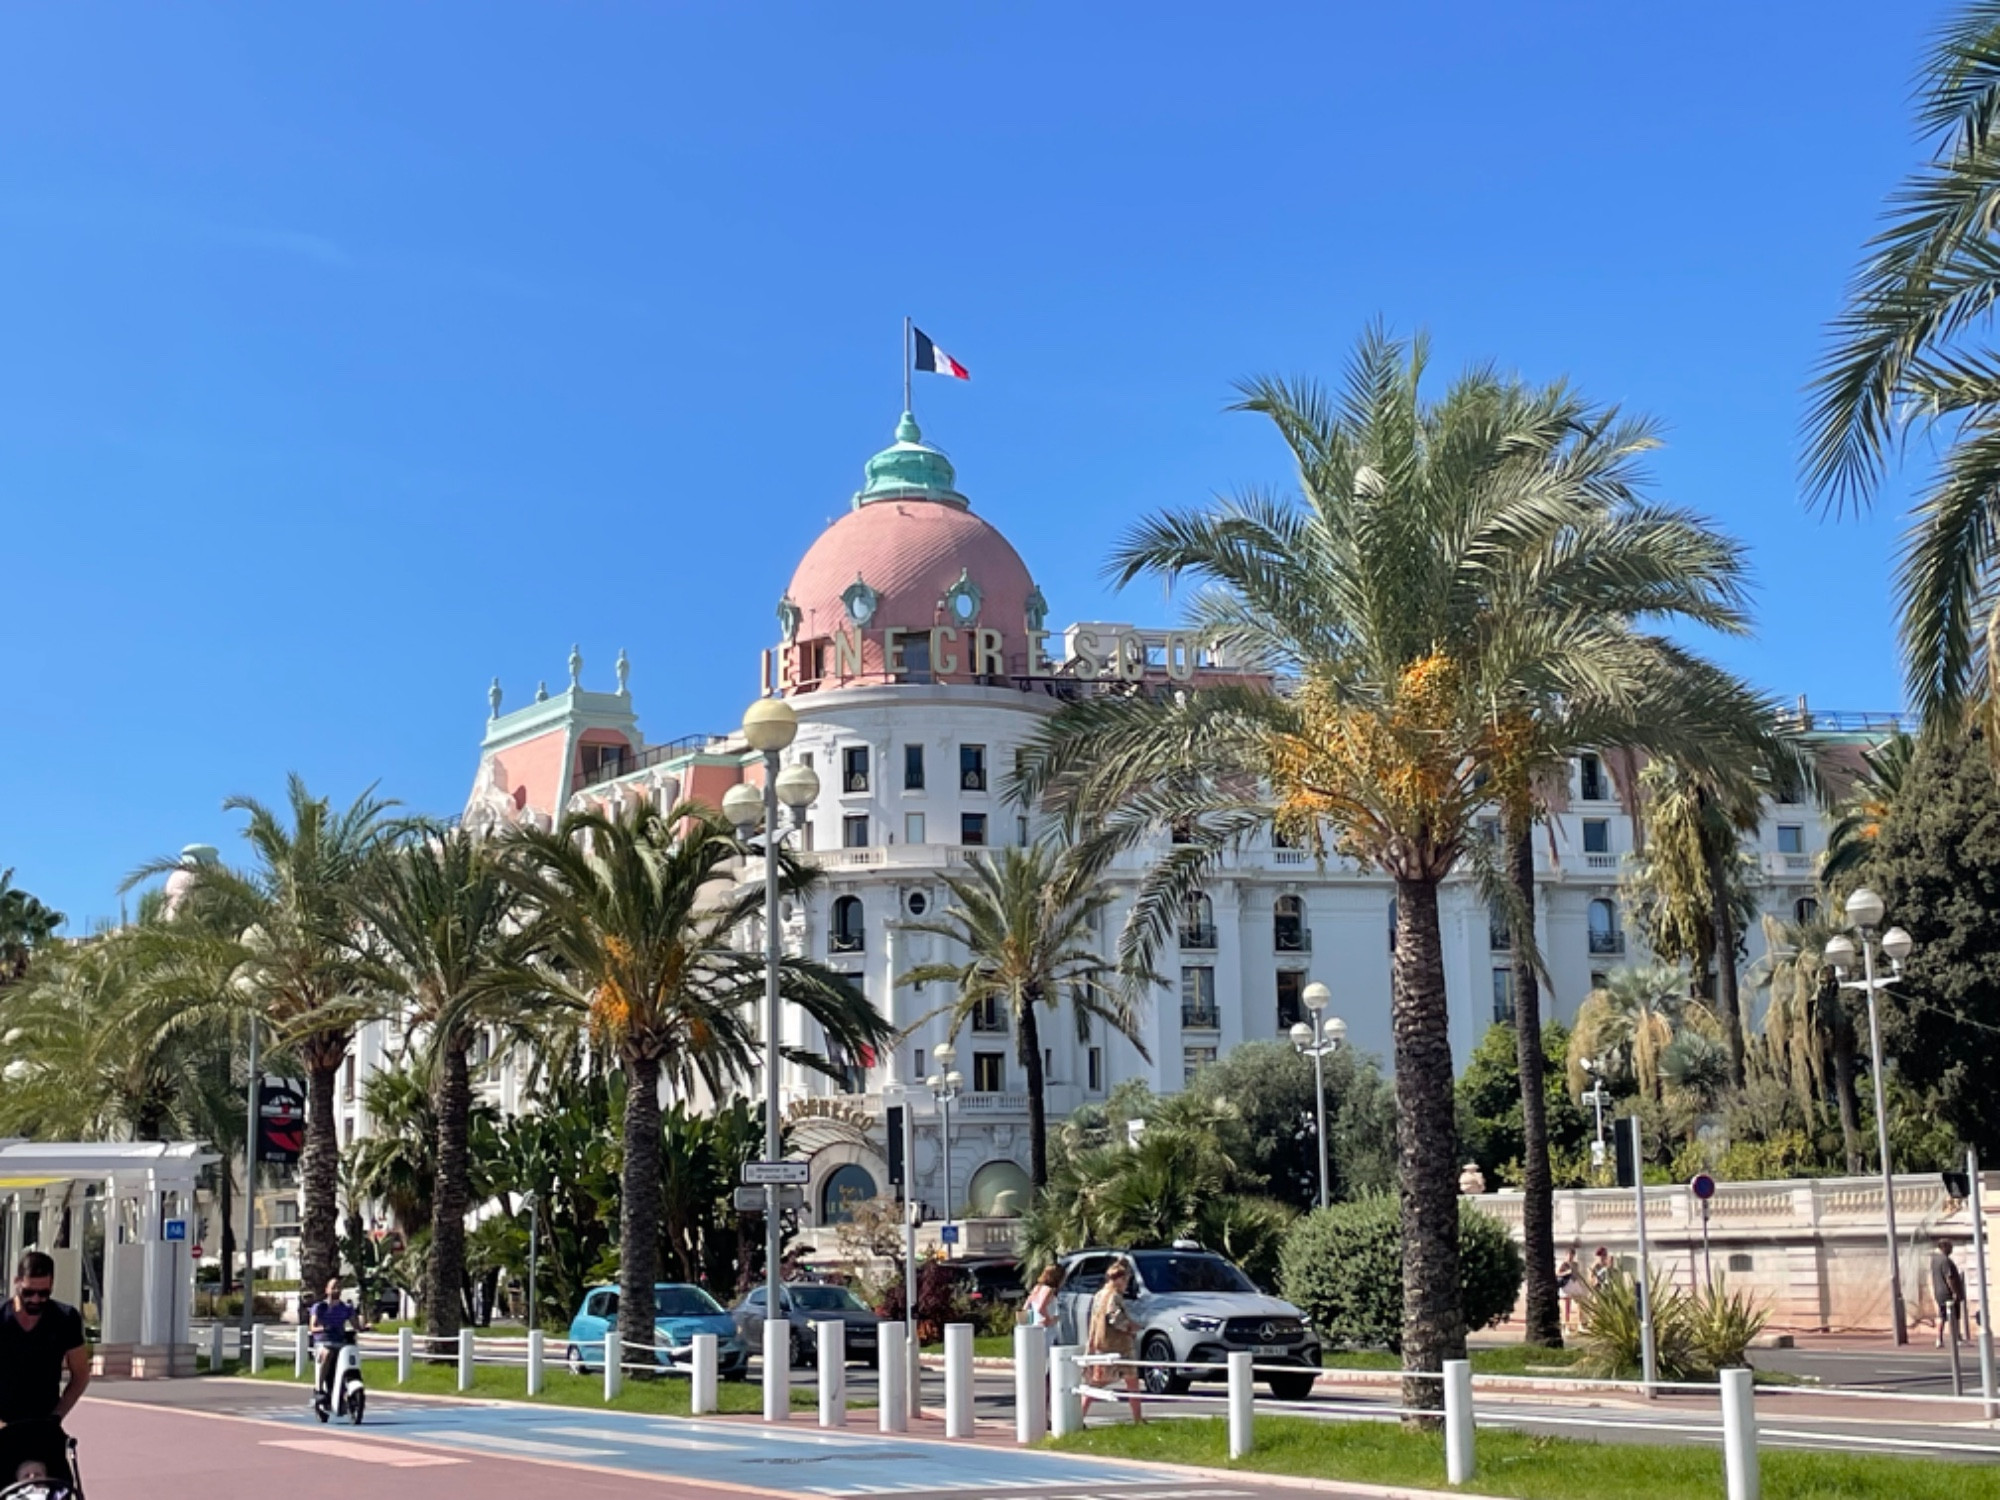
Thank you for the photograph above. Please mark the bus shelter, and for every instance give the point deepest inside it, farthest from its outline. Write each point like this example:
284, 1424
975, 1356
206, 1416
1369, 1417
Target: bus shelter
118, 1219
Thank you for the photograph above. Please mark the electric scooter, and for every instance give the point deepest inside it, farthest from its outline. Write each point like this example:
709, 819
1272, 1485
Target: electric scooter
350, 1396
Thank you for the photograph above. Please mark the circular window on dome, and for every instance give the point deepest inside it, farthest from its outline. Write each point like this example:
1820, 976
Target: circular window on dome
861, 601
918, 903
961, 600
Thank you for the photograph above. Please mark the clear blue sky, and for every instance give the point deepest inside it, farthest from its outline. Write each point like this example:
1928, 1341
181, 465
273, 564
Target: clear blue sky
351, 355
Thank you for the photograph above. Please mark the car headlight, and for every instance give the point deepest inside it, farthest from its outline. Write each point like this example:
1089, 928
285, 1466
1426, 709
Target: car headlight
1195, 1323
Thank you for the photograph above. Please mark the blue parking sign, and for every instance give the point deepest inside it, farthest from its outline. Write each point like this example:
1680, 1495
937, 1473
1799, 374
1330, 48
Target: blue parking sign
177, 1229
949, 1234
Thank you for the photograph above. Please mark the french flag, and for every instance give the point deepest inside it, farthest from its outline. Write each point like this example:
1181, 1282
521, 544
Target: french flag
934, 360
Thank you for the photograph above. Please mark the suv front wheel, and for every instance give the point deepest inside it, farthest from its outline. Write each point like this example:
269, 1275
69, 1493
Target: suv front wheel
1292, 1387
1159, 1375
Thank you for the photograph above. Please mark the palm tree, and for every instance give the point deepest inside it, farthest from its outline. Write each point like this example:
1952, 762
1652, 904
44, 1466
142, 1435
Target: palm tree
1425, 601
25, 925
1912, 353
638, 950
296, 962
1808, 1029
451, 933
1690, 881
1864, 810
1627, 1025
1027, 923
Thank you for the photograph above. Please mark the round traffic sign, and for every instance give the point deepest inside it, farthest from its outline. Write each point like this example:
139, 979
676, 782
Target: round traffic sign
197, 1252
1702, 1186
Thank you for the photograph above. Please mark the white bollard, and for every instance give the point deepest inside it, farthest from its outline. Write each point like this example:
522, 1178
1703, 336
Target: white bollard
1031, 1384
215, 1348
832, 1373
707, 1355
465, 1359
958, 1380
1458, 1464
302, 1361
535, 1356
1066, 1410
1242, 1403
256, 1348
777, 1369
614, 1365
406, 1354
892, 1378
1739, 1435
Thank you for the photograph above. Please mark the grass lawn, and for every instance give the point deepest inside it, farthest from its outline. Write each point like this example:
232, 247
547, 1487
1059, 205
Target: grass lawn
984, 1346
1532, 1468
668, 1396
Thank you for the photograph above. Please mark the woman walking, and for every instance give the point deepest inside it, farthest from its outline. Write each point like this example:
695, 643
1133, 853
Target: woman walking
1113, 1331
1569, 1286
1039, 1311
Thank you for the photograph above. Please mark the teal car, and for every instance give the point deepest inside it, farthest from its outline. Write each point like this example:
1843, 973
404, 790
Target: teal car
680, 1311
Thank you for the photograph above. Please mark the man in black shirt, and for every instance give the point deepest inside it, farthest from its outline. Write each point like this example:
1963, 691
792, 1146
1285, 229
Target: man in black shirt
39, 1338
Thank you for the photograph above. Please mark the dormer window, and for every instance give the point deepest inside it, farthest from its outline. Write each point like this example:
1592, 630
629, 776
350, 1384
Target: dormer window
961, 601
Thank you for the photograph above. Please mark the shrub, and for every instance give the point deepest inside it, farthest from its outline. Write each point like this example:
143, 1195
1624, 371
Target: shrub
1611, 1331
1343, 1266
1722, 1325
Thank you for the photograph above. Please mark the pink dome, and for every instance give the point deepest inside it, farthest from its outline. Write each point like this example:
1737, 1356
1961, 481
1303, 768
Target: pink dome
911, 553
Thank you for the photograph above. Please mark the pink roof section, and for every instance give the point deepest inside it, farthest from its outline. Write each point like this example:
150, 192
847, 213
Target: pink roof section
910, 552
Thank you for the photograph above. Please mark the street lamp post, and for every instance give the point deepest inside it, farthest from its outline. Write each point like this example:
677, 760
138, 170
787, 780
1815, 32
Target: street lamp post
769, 726
1319, 1041
529, 1202
1865, 912
944, 1086
1597, 1098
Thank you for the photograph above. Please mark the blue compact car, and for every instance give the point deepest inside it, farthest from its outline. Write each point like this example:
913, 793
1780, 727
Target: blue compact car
680, 1311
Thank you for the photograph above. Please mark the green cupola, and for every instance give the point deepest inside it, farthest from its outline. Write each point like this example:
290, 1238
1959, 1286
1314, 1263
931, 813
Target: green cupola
910, 469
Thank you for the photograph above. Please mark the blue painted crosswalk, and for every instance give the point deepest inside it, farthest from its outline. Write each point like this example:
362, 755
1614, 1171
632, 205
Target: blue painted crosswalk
797, 1460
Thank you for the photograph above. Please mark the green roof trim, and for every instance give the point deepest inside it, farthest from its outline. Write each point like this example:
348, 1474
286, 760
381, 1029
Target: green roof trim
910, 469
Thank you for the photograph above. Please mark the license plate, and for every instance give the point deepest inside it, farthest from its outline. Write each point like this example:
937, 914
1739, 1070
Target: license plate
1272, 1349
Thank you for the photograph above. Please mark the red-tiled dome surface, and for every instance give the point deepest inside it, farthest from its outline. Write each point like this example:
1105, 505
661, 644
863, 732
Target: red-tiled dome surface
910, 552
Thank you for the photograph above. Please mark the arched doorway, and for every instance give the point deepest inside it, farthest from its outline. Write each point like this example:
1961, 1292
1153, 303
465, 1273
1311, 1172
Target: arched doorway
844, 1188
999, 1190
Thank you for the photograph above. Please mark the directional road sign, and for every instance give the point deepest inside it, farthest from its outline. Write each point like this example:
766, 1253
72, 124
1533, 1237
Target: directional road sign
177, 1229
796, 1172
750, 1200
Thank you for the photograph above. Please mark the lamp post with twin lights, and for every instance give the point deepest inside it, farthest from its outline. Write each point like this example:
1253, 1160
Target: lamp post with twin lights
1319, 1042
1865, 912
945, 1085
769, 726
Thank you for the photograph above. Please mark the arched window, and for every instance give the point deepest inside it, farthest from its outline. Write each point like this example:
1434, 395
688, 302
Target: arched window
1805, 909
1198, 922
849, 923
1288, 926
1604, 934
844, 1189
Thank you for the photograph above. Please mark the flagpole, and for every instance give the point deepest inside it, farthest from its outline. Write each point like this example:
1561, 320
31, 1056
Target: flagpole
906, 365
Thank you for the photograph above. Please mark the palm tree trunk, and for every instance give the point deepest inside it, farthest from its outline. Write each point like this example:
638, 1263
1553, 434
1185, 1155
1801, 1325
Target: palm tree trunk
226, 1197
1426, 1143
451, 1103
639, 1213
1727, 1004
1843, 1086
1538, 1194
1038, 1118
319, 1170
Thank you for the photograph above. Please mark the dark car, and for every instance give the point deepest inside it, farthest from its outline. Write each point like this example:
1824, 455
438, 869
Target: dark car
807, 1303
990, 1283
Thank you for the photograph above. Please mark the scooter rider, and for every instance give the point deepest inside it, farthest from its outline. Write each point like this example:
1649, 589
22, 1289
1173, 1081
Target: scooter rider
40, 1338
334, 1323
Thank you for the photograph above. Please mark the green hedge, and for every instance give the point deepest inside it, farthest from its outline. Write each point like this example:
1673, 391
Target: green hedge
1343, 1266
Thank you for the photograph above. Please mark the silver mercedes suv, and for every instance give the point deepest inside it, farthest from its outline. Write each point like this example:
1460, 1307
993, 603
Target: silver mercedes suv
1194, 1307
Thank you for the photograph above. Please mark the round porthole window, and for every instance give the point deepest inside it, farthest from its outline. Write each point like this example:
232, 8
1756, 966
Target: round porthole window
918, 903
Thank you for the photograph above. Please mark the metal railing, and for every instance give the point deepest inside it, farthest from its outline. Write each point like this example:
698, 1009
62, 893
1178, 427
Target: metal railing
1607, 942
641, 760
1198, 935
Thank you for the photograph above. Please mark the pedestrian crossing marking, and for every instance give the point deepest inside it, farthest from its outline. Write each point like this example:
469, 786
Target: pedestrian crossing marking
644, 1439
528, 1446
365, 1453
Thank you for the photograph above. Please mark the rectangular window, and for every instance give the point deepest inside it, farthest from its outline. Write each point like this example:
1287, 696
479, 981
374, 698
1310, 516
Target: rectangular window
854, 831
1503, 995
854, 768
1291, 1005
972, 768
1198, 1010
1596, 835
1021, 830
1193, 1060
989, 1015
913, 768
1791, 838
1499, 935
918, 1069
989, 1072
1590, 778
347, 1080
913, 828
1489, 832
972, 828
1094, 1062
